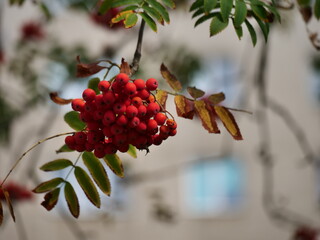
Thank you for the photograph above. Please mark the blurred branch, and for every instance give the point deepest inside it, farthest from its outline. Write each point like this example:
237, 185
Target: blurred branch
137, 55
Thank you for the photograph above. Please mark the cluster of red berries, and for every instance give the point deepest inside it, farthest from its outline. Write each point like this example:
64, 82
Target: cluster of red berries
125, 112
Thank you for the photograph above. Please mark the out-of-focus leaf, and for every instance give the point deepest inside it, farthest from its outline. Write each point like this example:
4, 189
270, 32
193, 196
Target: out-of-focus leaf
239, 31
205, 113
121, 16
226, 7
303, 3
9, 203
205, 18
44, 8
87, 186
87, 69
58, 100
125, 68
73, 120
317, 9
149, 21
306, 13
228, 121
161, 9
72, 200
93, 84
132, 151
216, 98
195, 5
195, 92
130, 20
114, 163
197, 13
161, 97
64, 148
121, 3
184, 107
48, 185
55, 165
1, 213
259, 10
252, 32
51, 199
97, 172
217, 25
169, 3
264, 26
170, 78
240, 12
153, 13
105, 6
209, 5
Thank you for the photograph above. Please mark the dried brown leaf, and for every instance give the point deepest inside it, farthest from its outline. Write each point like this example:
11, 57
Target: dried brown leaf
87, 69
184, 107
170, 78
125, 67
216, 98
206, 114
9, 203
58, 100
195, 92
306, 13
51, 199
162, 97
1, 213
228, 121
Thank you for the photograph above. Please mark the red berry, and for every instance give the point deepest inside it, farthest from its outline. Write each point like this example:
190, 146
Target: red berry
122, 78
110, 148
93, 125
78, 104
160, 118
90, 106
99, 154
172, 132
104, 86
164, 131
171, 124
157, 140
136, 101
141, 127
107, 132
89, 147
85, 117
120, 139
140, 84
131, 111
134, 122
119, 108
122, 120
123, 148
80, 138
69, 140
80, 147
152, 84
109, 97
95, 136
143, 94
116, 129
89, 95
98, 114
100, 104
153, 108
142, 111
152, 125
117, 87
109, 117
130, 89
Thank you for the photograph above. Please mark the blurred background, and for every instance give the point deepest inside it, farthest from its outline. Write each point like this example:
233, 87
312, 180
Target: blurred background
195, 185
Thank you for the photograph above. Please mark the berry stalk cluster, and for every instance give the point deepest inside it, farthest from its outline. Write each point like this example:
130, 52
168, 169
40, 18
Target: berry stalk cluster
124, 112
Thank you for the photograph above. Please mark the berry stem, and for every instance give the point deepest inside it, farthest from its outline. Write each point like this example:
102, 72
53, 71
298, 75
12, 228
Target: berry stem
31, 148
137, 55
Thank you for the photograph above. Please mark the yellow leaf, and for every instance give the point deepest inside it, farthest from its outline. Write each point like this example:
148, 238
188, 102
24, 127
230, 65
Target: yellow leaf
121, 16
184, 107
170, 78
161, 97
206, 115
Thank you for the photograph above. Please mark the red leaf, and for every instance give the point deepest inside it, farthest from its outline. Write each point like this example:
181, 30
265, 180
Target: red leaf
58, 100
87, 69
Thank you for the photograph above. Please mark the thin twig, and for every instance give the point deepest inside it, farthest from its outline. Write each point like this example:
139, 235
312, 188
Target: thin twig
137, 55
30, 149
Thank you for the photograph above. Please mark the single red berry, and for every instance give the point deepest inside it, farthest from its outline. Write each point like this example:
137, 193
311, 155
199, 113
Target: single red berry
141, 127
89, 95
120, 139
78, 104
122, 78
164, 131
131, 111
86, 117
99, 154
109, 97
142, 111
130, 89
98, 114
90, 106
152, 125
122, 120
80, 138
171, 124
110, 148
152, 84
143, 94
140, 84
132, 135
100, 104
136, 101
117, 87
95, 136
123, 148
153, 108
89, 147
151, 99
157, 139
119, 108
141, 142
80, 147
172, 132
160, 118
103, 86
99, 147
69, 140
107, 132
93, 125
109, 117
116, 129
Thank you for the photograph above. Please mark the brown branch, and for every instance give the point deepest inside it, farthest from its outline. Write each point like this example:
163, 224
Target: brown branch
137, 55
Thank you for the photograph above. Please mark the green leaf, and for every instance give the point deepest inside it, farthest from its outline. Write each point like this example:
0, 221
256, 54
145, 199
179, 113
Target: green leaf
151, 23
197, 13
217, 25
121, 16
197, 4
87, 186
72, 200
153, 13
303, 3
115, 164
264, 27
133, 8
240, 13
45, 10
121, 3
252, 32
93, 84
51, 199
259, 10
169, 3
238, 30
105, 6
317, 9
274, 11
64, 148
195, 92
161, 9
48, 185
209, 5
73, 120
132, 151
226, 7
131, 20
55, 165
205, 18
97, 172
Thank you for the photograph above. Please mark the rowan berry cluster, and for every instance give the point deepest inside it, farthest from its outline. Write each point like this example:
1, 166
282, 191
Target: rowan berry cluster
125, 112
